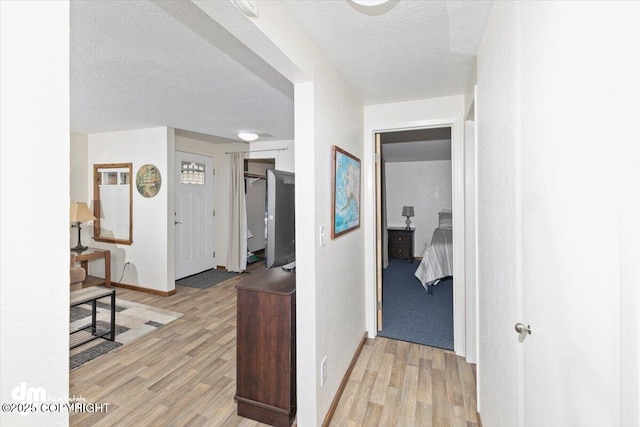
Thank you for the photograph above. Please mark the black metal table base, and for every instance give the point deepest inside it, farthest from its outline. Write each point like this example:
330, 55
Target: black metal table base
91, 332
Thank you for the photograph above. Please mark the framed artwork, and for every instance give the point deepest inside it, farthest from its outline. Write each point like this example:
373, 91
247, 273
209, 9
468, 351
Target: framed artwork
148, 181
345, 192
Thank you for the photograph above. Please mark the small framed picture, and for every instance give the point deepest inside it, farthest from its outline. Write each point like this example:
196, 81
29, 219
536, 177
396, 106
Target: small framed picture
345, 193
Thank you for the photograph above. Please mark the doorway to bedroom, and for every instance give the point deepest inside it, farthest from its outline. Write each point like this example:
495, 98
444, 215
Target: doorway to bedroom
415, 263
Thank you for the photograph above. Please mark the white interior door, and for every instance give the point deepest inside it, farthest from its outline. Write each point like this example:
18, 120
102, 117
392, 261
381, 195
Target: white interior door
554, 198
194, 232
570, 218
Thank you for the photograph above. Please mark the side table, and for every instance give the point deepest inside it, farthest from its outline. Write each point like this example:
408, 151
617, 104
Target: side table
401, 243
92, 254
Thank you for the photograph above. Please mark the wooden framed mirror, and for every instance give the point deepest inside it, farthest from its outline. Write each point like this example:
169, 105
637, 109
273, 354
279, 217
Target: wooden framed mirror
112, 203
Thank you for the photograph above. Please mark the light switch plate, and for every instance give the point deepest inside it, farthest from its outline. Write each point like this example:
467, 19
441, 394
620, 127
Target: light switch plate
323, 236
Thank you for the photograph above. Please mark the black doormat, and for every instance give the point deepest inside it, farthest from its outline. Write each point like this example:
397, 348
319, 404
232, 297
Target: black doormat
206, 279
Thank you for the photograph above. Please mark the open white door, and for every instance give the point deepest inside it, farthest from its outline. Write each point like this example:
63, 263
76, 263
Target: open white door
571, 212
194, 213
555, 189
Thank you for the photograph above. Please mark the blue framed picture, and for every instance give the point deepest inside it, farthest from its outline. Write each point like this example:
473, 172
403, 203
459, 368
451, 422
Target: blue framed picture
345, 193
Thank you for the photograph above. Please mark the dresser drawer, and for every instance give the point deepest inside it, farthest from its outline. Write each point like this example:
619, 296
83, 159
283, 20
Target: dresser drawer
400, 237
398, 252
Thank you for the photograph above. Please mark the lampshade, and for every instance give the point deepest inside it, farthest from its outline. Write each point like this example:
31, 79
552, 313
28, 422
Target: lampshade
407, 211
80, 212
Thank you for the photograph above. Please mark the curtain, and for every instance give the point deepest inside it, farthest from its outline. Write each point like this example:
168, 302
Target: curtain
237, 249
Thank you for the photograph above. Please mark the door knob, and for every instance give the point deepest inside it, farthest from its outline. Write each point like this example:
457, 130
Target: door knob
522, 330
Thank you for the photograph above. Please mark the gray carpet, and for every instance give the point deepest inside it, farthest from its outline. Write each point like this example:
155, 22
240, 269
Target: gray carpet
206, 279
409, 313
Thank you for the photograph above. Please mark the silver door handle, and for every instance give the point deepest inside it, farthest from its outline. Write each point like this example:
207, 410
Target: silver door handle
522, 330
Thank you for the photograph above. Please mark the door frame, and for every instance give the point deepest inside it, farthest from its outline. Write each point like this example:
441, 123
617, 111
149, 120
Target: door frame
457, 181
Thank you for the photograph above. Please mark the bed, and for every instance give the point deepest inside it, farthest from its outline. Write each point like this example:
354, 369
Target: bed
437, 259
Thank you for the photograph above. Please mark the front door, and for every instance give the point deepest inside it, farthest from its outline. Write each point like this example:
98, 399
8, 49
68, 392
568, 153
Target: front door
194, 251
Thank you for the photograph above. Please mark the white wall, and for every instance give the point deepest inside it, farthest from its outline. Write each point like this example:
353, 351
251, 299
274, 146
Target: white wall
79, 184
330, 285
330, 279
339, 266
424, 185
79, 174
34, 225
282, 151
410, 115
151, 252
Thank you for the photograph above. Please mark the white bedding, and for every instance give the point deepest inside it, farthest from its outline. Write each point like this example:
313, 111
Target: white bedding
437, 259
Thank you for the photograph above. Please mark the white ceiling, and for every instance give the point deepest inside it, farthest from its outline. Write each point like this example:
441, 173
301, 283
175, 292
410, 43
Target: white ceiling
138, 64
413, 49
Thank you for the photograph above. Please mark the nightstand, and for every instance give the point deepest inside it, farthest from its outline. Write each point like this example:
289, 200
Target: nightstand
401, 242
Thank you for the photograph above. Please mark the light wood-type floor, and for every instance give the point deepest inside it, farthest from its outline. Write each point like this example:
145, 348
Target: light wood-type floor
183, 374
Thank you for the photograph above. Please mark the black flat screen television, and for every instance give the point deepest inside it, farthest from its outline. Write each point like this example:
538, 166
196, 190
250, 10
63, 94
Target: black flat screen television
280, 224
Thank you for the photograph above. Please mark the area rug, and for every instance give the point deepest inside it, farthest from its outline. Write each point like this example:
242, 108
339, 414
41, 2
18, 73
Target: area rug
206, 279
133, 320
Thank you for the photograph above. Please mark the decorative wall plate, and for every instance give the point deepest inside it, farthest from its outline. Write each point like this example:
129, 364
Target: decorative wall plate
148, 180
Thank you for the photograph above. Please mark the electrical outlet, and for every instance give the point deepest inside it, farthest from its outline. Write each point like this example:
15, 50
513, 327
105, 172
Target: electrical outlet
323, 371
128, 264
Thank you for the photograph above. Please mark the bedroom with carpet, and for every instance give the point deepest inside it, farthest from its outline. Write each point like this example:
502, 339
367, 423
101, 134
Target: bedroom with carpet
416, 192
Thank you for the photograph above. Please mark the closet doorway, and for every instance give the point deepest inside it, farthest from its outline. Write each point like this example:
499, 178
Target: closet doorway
414, 228
255, 196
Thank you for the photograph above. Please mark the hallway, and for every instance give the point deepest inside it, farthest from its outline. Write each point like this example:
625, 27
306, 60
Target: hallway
396, 383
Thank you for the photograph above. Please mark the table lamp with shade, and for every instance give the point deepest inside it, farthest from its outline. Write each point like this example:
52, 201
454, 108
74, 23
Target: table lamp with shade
408, 212
79, 213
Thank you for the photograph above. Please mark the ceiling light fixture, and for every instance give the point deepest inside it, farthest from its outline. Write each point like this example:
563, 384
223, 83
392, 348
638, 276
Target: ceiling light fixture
370, 3
248, 136
248, 7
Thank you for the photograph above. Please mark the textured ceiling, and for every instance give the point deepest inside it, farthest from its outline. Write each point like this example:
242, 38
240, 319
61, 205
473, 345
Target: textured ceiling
412, 49
138, 64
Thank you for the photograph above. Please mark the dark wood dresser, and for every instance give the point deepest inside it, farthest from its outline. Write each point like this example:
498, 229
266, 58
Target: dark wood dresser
401, 242
266, 350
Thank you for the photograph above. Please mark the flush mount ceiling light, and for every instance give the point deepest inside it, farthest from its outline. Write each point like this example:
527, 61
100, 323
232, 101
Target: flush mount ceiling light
370, 2
248, 136
248, 7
